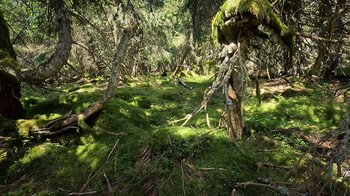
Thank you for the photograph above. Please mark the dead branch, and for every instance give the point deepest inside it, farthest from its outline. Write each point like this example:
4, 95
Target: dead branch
85, 193
215, 169
108, 183
61, 125
6, 188
271, 165
321, 39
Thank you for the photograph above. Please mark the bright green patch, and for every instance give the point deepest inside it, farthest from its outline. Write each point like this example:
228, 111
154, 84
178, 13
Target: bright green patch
151, 150
25, 126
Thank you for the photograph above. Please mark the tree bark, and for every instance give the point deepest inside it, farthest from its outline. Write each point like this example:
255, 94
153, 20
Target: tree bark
10, 89
5, 44
61, 53
118, 56
234, 118
235, 93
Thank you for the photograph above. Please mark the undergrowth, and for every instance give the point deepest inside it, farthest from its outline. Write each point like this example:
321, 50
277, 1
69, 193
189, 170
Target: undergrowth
134, 148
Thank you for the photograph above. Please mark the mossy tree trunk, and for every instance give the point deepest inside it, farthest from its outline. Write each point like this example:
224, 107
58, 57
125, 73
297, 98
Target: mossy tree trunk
120, 50
237, 22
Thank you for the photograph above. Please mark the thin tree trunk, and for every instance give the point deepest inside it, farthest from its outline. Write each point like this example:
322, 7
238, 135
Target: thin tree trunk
322, 52
235, 94
118, 57
61, 53
234, 111
330, 29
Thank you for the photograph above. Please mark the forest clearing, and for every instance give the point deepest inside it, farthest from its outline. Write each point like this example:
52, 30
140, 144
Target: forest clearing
174, 97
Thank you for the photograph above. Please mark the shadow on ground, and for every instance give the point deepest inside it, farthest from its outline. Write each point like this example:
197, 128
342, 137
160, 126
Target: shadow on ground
135, 149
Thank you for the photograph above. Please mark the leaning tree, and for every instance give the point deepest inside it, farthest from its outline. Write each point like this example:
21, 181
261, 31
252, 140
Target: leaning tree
12, 73
234, 26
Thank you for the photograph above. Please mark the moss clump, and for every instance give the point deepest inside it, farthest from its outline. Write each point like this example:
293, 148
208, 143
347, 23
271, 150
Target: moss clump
5, 60
26, 126
143, 102
261, 9
121, 116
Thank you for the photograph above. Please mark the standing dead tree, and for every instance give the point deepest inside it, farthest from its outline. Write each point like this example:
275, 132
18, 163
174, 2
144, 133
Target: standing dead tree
236, 23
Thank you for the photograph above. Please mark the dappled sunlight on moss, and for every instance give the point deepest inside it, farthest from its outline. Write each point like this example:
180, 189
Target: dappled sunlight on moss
150, 147
200, 79
309, 113
91, 151
50, 116
37, 152
185, 132
25, 126
121, 116
284, 155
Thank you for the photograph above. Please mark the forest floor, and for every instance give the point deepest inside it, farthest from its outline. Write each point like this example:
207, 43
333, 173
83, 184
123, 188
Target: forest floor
134, 147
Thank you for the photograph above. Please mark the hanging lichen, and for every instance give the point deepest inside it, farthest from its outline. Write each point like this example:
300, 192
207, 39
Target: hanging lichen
259, 10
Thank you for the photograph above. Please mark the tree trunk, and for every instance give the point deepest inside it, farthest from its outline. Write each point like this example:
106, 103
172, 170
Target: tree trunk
322, 52
118, 56
334, 61
10, 89
337, 27
61, 53
235, 93
332, 25
325, 11
234, 112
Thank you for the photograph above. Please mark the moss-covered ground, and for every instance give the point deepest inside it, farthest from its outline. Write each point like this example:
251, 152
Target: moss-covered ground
133, 147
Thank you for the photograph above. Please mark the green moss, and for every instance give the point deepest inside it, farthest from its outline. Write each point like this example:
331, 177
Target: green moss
143, 102
25, 126
119, 116
203, 159
306, 110
9, 62
261, 9
36, 152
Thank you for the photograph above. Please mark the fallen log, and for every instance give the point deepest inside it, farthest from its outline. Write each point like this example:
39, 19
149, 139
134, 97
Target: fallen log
39, 128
